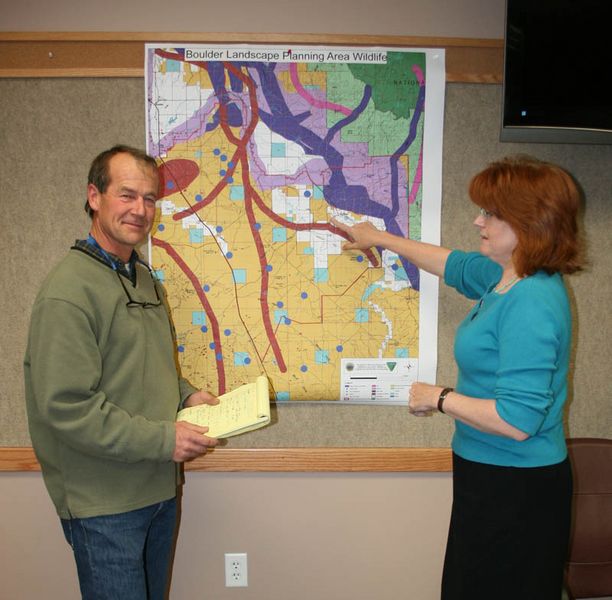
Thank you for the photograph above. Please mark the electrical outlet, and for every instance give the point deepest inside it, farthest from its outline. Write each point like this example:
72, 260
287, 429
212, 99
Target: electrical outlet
236, 570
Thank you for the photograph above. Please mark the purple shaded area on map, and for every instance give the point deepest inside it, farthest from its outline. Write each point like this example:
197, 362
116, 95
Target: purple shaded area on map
351, 179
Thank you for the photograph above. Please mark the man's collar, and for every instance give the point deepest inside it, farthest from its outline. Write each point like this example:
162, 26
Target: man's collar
108, 258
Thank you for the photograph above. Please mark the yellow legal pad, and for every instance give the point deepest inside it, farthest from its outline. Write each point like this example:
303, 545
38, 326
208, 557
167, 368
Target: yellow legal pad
241, 410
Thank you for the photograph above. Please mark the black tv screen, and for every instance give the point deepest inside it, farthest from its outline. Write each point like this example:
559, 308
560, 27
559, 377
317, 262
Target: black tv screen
558, 71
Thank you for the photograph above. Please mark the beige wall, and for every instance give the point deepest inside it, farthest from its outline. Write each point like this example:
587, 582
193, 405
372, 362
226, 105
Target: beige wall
307, 536
446, 18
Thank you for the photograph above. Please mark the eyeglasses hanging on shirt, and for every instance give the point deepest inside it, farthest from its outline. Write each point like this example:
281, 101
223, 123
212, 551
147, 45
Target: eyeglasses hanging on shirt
131, 303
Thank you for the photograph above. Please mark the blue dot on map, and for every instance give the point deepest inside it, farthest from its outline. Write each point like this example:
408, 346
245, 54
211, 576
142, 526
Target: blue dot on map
161, 227
216, 151
211, 345
303, 368
339, 347
180, 348
230, 255
268, 268
206, 287
303, 295
228, 332
218, 229
360, 258
204, 329
280, 304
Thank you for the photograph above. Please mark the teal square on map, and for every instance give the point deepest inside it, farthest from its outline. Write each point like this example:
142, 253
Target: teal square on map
279, 234
241, 359
322, 357
308, 250
278, 150
173, 66
280, 316
321, 275
240, 275
236, 192
401, 353
198, 317
196, 236
159, 275
362, 315
282, 396
317, 192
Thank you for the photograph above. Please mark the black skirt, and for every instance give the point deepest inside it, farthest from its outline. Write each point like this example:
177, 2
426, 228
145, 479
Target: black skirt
509, 532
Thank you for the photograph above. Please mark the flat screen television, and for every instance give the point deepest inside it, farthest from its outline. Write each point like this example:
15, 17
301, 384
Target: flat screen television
557, 85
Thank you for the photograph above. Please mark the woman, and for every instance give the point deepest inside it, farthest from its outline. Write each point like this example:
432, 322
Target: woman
512, 485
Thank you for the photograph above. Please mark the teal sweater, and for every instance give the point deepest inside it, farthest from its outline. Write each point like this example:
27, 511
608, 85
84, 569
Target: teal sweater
102, 390
514, 348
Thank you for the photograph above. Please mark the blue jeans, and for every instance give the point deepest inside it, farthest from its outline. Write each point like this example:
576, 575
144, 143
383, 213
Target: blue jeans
125, 556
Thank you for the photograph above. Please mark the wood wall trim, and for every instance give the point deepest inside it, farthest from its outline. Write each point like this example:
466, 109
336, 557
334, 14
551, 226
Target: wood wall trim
121, 54
380, 460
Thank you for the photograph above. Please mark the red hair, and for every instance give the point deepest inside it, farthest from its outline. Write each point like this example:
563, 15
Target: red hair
540, 201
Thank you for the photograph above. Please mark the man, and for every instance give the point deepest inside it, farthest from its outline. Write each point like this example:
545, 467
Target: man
102, 391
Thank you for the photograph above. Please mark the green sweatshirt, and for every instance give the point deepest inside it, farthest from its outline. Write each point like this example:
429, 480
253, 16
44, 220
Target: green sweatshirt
102, 390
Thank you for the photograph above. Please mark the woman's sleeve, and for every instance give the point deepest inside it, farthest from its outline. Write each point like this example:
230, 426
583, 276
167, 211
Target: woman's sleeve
471, 273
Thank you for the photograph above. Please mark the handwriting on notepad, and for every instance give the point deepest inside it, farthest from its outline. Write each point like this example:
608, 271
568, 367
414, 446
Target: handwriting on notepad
243, 409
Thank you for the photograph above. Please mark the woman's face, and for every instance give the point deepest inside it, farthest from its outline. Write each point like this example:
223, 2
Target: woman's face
497, 238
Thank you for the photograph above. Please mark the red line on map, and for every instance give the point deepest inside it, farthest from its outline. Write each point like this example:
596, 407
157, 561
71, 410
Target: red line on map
308, 226
265, 276
206, 305
248, 203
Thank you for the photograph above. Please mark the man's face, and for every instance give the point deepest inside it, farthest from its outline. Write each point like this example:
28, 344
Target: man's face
123, 214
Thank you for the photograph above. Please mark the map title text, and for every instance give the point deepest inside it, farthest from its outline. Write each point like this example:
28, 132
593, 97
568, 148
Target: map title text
316, 55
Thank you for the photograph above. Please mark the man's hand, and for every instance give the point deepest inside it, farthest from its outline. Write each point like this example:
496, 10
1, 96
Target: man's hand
191, 441
200, 397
